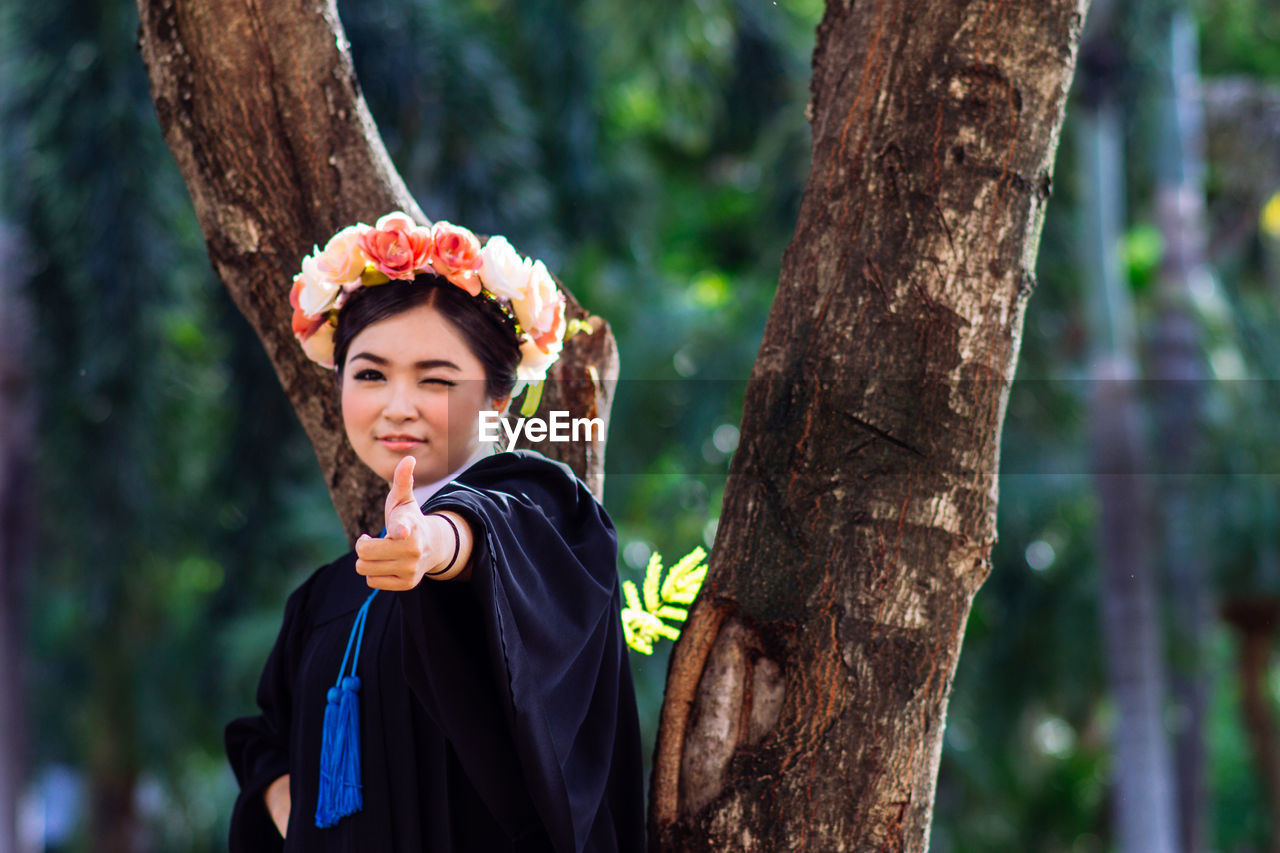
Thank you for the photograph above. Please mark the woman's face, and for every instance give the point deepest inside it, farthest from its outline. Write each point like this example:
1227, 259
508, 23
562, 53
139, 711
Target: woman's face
411, 387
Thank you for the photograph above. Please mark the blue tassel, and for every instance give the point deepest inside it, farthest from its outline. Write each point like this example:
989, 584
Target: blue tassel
328, 752
340, 789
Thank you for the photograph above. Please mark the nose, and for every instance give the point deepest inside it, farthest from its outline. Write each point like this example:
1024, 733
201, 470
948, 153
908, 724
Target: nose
400, 406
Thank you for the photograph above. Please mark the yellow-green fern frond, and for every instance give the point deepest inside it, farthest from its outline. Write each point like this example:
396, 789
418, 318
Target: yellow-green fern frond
643, 624
651, 575
685, 578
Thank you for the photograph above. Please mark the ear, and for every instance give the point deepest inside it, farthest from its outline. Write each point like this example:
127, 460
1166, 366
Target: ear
500, 405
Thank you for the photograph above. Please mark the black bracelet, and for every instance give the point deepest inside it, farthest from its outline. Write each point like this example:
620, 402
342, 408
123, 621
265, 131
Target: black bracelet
457, 545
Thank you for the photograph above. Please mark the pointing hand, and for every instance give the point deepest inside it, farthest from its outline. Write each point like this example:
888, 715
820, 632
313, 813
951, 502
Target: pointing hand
409, 550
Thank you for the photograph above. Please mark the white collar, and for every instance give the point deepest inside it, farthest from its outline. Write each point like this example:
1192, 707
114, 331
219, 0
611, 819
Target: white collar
421, 493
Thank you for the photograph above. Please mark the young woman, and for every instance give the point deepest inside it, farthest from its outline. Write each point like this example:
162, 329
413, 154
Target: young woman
478, 638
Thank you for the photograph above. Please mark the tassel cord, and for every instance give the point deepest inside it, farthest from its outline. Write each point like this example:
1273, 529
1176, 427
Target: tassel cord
357, 637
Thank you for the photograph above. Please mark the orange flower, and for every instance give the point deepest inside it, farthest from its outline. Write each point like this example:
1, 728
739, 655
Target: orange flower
397, 247
456, 256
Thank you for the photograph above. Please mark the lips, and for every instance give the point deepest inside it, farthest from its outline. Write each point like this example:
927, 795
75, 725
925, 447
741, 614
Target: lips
400, 442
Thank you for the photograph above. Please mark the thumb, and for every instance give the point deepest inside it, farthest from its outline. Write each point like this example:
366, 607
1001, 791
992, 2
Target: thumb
401, 495
401, 484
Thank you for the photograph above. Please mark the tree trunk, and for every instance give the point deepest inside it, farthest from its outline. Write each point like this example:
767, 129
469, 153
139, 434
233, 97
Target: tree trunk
807, 695
1142, 792
1177, 365
260, 106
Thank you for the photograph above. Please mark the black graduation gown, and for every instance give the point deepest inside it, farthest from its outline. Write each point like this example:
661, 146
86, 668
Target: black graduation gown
496, 714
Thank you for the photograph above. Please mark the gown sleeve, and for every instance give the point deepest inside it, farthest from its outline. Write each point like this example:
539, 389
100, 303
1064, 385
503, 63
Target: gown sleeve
532, 694
258, 746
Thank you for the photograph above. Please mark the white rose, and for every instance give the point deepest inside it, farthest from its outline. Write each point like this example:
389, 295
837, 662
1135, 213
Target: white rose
504, 273
318, 290
536, 307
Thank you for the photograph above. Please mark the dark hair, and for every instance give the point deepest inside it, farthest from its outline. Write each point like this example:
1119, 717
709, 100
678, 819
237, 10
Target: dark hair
490, 334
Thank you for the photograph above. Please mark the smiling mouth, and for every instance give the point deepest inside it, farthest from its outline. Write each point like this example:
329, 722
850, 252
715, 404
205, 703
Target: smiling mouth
400, 442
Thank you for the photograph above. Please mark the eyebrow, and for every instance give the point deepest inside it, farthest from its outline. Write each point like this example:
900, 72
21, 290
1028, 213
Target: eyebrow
420, 365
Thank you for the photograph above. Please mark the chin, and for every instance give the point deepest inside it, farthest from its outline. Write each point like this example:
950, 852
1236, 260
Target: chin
427, 470
384, 465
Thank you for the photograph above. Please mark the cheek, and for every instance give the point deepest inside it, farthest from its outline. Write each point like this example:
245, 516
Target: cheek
357, 409
466, 410
435, 409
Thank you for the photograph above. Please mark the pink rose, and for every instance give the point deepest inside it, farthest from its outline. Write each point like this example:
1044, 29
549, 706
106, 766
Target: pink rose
396, 246
456, 256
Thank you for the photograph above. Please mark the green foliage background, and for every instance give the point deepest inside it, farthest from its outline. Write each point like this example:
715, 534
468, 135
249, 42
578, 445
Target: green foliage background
653, 154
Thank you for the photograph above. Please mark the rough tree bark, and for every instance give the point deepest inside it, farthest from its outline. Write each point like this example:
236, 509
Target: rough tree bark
260, 105
806, 698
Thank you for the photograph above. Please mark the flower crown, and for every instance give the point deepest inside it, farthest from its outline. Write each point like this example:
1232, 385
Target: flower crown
397, 248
